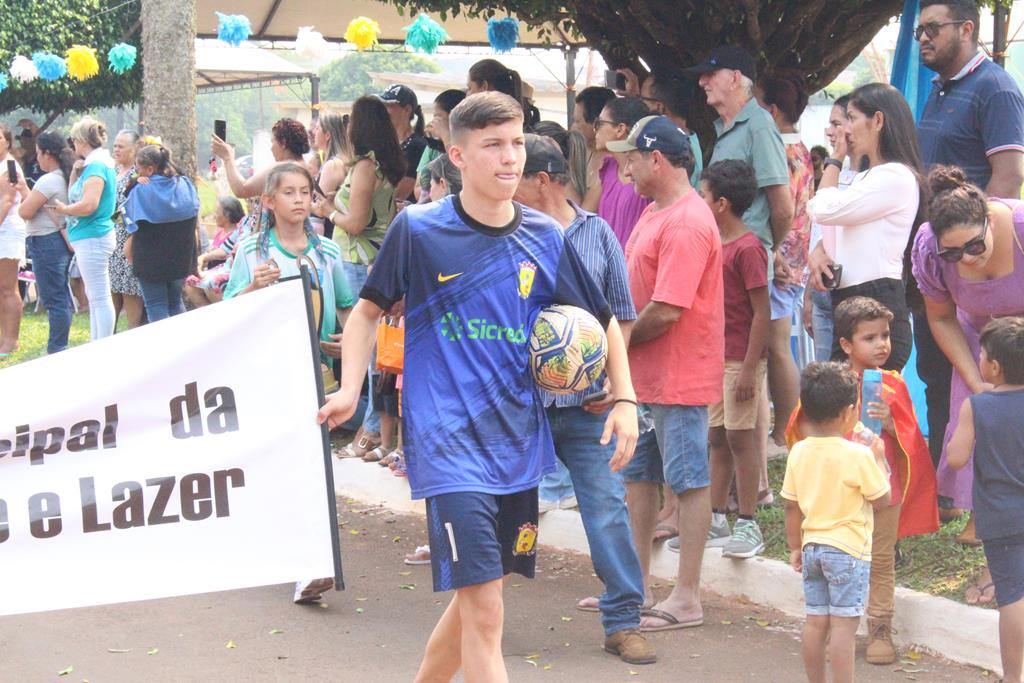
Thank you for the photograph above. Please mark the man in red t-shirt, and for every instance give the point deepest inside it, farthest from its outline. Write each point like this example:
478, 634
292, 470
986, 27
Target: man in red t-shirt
676, 354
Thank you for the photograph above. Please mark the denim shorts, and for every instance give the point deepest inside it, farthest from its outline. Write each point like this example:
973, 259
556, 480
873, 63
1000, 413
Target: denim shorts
675, 451
1006, 562
835, 583
785, 299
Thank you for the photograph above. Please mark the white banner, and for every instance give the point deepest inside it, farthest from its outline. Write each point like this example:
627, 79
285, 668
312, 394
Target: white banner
181, 457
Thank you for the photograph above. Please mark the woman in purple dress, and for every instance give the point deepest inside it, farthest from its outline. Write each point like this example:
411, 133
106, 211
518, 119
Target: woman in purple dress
969, 265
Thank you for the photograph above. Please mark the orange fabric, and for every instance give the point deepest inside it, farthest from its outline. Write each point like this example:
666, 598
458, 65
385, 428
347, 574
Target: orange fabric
907, 453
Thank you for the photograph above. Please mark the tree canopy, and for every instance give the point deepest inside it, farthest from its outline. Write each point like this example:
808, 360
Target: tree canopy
347, 78
54, 26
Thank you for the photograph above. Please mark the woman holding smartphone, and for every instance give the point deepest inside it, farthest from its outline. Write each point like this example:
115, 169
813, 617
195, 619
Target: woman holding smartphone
875, 218
12, 244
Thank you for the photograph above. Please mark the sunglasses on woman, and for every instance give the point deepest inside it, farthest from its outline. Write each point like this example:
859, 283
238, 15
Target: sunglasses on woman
972, 247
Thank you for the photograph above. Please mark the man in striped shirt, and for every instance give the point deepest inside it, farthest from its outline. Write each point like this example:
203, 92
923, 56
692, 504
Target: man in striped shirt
577, 420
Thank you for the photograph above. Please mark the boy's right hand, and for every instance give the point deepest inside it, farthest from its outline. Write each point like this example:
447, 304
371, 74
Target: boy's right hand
338, 409
796, 560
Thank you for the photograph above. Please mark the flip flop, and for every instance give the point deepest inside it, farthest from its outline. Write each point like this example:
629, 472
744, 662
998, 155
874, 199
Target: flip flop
671, 622
981, 594
664, 532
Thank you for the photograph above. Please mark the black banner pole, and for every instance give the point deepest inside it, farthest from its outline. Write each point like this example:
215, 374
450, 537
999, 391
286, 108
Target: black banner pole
332, 507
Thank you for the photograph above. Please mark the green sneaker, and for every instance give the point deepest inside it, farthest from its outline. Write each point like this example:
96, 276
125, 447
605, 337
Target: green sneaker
746, 540
718, 536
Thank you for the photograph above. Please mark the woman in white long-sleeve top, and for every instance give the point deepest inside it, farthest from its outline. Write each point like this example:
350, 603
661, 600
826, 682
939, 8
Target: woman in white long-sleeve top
866, 229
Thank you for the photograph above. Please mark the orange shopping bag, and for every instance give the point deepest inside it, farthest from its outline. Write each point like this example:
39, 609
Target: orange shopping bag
391, 344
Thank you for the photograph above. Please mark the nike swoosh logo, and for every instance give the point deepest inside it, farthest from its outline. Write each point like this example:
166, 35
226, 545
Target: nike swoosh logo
446, 278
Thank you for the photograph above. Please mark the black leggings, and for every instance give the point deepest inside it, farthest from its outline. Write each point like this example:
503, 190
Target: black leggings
892, 294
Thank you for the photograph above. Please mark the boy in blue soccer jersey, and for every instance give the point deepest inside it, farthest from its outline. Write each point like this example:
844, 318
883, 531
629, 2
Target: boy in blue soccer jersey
475, 269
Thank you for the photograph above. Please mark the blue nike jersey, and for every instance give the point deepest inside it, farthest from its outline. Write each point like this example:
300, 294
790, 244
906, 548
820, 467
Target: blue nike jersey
472, 417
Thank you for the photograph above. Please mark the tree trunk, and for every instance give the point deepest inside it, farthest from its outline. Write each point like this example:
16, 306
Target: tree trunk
168, 81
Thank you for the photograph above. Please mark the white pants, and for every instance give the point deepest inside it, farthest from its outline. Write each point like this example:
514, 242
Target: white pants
93, 256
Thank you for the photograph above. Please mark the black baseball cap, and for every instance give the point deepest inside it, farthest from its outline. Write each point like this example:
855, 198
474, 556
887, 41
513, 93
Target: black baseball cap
402, 95
726, 57
653, 133
543, 154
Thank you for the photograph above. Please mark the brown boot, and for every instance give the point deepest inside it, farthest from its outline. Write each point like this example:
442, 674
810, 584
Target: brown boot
631, 647
880, 647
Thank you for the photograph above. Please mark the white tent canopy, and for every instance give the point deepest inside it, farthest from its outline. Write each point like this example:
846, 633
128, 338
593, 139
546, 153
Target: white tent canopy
281, 19
220, 67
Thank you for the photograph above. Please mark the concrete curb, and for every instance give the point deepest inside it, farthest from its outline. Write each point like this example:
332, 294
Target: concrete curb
969, 635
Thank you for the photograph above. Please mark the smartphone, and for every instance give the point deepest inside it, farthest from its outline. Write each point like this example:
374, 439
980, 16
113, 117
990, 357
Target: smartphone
12, 171
220, 129
595, 398
614, 80
837, 274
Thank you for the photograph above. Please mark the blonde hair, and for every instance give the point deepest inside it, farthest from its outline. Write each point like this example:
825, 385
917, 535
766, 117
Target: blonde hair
90, 131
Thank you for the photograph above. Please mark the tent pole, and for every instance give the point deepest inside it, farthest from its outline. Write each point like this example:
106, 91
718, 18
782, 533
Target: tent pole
314, 95
999, 16
570, 83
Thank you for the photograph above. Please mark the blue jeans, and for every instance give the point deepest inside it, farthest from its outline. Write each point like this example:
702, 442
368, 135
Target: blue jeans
602, 501
822, 323
357, 273
835, 583
50, 258
675, 452
162, 299
557, 485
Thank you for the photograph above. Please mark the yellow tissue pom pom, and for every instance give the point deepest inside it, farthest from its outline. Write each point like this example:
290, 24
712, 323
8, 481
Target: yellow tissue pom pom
82, 62
362, 32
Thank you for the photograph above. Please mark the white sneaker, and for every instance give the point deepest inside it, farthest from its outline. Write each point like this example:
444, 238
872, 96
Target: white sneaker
546, 506
569, 503
309, 592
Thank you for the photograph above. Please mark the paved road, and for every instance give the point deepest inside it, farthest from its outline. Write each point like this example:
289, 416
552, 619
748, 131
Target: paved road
375, 631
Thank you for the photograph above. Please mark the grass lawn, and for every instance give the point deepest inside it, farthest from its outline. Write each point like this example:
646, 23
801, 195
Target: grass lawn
933, 564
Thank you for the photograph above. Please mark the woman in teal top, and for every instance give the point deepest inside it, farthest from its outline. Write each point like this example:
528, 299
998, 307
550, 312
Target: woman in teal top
90, 223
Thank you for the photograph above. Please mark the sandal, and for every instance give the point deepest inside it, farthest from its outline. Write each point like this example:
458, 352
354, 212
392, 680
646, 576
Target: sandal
390, 458
981, 595
377, 454
665, 532
419, 556
360, 447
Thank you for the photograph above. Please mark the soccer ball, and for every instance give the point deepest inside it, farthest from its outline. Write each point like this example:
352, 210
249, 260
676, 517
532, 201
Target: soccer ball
567, 349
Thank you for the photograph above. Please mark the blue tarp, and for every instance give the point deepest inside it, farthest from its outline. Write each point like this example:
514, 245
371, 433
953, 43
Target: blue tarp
914, 80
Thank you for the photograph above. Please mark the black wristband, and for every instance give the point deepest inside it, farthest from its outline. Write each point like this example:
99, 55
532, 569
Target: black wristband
832, 162
625, 400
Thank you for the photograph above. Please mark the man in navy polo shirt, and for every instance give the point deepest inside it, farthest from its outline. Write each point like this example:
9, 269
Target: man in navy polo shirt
974, 119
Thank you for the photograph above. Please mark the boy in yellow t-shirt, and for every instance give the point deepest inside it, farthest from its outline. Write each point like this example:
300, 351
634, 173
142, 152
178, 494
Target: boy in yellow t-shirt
831, 487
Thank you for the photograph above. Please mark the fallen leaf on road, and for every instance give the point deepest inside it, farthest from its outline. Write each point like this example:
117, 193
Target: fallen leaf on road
726, 622
323, 605
275, 631
396, 539
531, 662
359, 610
566, 618
362, 599
230, 645
762, 623
634, 673
404, 573
532, 657
354, 532
65, 672
548, 666
153, 651
116, 651
516, 585
407, 586
914, 654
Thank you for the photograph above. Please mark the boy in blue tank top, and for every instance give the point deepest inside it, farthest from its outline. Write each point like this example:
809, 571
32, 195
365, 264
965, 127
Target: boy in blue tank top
475, 269
990, 427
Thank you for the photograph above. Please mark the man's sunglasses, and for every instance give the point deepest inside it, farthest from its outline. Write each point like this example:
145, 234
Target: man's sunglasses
933, 28
972, 247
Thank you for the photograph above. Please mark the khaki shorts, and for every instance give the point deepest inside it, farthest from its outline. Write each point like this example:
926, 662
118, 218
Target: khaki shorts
733, 414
